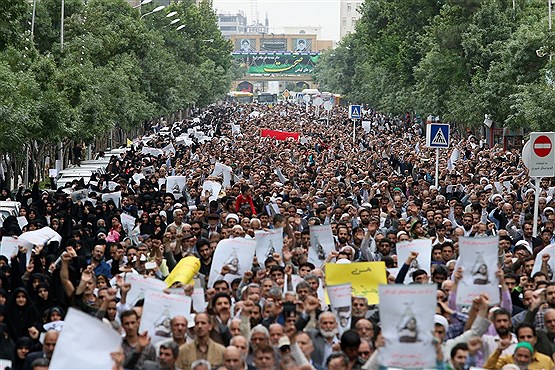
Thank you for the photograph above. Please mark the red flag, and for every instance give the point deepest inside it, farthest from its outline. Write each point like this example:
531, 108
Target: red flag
279, 135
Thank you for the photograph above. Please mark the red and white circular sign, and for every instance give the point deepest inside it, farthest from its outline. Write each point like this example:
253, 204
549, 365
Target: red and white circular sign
542, 146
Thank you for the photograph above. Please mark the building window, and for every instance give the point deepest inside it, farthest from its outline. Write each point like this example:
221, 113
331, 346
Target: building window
349, 7
228, 28
344, 22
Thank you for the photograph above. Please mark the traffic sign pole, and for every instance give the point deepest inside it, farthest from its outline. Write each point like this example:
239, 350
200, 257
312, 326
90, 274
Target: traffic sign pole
354, 134
437, 168
536, 206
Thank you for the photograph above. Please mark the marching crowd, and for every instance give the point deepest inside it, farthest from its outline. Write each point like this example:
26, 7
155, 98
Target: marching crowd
374, 192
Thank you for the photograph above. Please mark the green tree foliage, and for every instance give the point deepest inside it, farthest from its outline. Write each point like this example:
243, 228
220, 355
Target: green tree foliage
115, 68
459, 59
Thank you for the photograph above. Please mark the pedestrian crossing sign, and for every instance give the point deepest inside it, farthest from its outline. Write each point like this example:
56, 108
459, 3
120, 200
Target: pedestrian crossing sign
355, 112
437, 135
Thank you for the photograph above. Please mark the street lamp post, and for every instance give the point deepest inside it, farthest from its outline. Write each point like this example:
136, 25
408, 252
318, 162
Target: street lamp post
157, 9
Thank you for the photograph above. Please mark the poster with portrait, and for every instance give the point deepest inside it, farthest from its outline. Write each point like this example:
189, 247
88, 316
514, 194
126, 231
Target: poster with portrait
176, 185
407, 317
268, 243
550, 250
321, 244
237, 254
302, 44
478, 258
115, 196
424, 249
224, 171
128, 222
158, 310
245, 45
213, 188
341, 303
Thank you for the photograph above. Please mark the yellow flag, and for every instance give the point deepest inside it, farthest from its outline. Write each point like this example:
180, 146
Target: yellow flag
184, 271
365, 277
129, 143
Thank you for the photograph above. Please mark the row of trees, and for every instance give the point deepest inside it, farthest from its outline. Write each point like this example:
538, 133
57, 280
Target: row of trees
115, 70
459, 59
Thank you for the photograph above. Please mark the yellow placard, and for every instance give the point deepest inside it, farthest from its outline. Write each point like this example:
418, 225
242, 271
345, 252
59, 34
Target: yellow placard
129, 143
365, 277
184, 271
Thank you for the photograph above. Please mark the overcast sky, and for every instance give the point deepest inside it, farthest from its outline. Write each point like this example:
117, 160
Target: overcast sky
290, 13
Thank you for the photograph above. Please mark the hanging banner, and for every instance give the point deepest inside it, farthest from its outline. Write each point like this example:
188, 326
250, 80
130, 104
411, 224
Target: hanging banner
341, 303
279, 135
268, 243
407, 318
365, 277
321, 244
424, 249
479, 259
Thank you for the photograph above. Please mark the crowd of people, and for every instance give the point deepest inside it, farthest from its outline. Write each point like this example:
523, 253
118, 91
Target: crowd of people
374, 191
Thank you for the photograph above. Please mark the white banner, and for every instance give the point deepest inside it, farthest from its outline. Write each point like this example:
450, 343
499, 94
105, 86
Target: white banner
424, 249
10, 246
84, 343
128, 222
237, 254
140, 285
168, 149
158, 310
213, 187
79, 195
116, 197
225, 171
478, 258
41, 236
407, 317
268, 242
341, 303
321, 244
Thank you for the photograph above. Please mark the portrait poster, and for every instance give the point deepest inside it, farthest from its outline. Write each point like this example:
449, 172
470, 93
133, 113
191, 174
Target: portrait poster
424, 249
159, 309
268, 243
479, 259
407, 320
176, 185
341, 304
237, 254
321, 244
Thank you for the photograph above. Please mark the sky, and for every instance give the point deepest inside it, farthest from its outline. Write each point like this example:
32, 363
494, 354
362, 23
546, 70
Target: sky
290, 13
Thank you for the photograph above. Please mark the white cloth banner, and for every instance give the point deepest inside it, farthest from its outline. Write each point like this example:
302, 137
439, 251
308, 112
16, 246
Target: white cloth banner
268, 242
321, 244
424, 249
84, 343
341, 304
407, 317
41, 236
237, 254
225, 171
140, 285
478, 258
158, 310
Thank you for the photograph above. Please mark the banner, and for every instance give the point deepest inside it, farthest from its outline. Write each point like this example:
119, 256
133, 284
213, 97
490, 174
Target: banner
341, 303
128, 222
283, 64
44, 236
84, 343
158, 310
237, 254
279, 135
407, 317
550, 249
424, 249
213, 187
321, 244
365, 277
10, 246
141, 284
184, 271
268, 242
116, 197
479, 259
225, 171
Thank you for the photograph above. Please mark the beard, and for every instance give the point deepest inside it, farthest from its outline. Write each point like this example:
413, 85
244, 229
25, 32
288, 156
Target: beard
503, 331
328, 334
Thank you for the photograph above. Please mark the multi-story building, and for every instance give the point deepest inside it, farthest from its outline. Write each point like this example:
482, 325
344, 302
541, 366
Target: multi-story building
348, 16
232, 24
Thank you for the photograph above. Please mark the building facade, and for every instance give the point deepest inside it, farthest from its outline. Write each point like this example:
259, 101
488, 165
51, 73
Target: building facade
349, 15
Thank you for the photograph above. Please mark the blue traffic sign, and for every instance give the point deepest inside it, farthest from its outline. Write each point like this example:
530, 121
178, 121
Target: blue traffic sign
355, 112
437, 135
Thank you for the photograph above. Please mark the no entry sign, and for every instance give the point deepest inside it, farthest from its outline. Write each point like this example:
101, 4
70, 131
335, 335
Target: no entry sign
542, 161
543, 146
